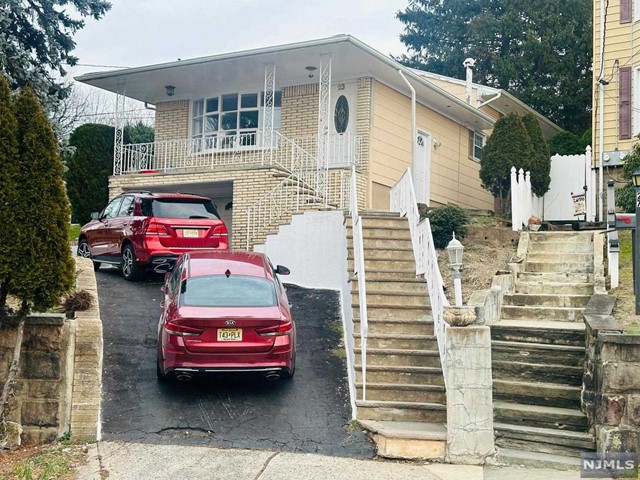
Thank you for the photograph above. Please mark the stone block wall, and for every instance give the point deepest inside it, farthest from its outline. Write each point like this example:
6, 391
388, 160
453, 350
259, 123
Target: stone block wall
41, 398
611, 386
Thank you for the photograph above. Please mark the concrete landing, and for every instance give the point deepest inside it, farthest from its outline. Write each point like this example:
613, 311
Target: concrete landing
408, 440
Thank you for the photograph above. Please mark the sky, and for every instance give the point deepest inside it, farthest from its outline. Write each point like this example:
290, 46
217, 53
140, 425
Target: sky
143, 32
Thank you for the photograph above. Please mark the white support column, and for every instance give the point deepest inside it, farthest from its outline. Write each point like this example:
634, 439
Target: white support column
324, 105
269, 111
118, 140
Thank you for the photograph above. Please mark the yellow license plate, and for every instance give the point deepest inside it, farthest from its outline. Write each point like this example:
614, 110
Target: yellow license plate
191, 233
229, 334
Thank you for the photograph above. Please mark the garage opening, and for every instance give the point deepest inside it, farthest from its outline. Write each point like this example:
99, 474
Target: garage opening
221, 193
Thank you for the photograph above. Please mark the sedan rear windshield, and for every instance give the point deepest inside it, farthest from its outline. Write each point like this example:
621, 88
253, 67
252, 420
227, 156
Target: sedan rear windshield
232, 291
179, 208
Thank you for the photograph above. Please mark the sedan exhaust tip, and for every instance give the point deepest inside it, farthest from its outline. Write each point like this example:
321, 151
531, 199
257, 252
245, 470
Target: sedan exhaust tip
272, 376
184, 377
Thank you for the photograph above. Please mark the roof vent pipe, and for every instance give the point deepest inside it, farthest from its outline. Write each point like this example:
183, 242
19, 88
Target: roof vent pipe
469, 63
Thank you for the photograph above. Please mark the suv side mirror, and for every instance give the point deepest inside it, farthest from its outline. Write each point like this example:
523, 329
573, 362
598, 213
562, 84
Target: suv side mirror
282, 270
95, 215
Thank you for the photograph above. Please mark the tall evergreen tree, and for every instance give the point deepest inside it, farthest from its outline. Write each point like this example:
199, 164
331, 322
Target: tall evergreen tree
508, 146
538, 50
8, 189
88, 169
36, 41
540, 166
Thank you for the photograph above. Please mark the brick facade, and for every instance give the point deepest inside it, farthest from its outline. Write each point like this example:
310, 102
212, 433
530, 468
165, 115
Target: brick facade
172, 120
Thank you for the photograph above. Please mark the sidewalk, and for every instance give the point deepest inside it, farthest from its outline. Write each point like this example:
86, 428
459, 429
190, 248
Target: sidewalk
135, 461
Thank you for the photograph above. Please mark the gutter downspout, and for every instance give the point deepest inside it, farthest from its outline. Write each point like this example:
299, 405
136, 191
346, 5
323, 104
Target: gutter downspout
492, 99
414, 128
601, 84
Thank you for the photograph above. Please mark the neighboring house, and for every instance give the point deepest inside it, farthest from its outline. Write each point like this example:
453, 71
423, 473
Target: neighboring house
275, 130
616, 80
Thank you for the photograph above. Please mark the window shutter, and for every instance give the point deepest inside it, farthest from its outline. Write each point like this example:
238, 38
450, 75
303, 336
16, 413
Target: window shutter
624, 109
625, 11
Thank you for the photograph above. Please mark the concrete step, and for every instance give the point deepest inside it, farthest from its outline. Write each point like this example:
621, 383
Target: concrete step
537, 393
555, 277
532, 372
401, 411
400, 232
403, 375
397, 274
398, 341
391, 311
538, 353
543, 440
536, 331
565, 267
408, 440
381, 222
540, 416
391, 285
392, 326
377, 297
563, 314
551, 246
390, 252
385, 264
550, 288
569, 258
372, 242
573, 237
547, 300
403, 392
399, 357
533, 460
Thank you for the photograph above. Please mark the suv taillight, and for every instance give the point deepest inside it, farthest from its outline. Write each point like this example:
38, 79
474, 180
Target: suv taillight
220, 231
277, 331
157, 229
181, 331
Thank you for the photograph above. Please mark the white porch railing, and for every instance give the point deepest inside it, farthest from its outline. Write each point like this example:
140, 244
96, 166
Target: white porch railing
359, 273
250, 149
403, 200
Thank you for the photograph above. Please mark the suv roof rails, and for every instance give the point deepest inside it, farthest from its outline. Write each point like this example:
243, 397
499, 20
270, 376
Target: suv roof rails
137, 191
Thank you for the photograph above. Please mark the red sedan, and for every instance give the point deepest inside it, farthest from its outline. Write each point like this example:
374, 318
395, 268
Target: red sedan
225, 312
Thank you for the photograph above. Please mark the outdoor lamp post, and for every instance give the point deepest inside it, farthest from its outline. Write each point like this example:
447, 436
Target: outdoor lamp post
454, 250
636, 242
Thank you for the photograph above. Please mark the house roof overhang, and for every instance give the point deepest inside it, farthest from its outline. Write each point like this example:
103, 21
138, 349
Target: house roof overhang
245, 70
501, 101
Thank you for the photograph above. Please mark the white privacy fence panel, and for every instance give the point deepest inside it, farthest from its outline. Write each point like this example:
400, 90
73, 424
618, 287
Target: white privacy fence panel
524, 204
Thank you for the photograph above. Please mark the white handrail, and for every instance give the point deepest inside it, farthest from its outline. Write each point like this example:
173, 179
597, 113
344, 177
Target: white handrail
403, 200
359, 273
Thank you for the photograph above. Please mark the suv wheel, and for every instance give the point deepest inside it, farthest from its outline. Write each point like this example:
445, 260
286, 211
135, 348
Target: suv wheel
130, 269
83, 251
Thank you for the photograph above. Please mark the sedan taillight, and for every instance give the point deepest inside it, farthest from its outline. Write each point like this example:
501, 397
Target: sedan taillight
277, 331
157, 229
182, 331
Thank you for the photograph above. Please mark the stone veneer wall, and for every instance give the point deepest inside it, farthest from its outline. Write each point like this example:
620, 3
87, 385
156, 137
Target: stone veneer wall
611, 382
41, 398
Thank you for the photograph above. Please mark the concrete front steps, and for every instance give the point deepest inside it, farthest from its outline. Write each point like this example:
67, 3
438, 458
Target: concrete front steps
404, 405
538, 351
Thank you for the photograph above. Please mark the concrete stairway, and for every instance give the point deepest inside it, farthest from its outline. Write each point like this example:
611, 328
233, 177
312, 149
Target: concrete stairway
405, 404
538, 350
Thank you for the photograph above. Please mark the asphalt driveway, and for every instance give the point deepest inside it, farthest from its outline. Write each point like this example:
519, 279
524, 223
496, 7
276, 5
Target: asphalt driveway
310, 413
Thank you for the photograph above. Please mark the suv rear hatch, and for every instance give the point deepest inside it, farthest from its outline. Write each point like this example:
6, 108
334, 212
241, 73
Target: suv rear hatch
185, 223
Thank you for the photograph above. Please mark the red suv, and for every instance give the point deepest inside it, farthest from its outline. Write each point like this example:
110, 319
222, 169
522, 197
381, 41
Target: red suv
142, 231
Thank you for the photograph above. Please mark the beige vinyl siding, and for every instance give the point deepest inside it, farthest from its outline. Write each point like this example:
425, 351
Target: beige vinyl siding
455, 89
454, 176
621, 41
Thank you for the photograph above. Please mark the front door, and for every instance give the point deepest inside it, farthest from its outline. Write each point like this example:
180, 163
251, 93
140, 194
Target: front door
422, 167
342, 121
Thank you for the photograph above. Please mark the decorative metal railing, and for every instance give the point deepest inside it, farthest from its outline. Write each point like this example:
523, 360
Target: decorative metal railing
359, 274
403, 200
249, 149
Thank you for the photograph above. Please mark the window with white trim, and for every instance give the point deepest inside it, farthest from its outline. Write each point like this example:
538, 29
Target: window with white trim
636, 10
230, 120
476, 143
635, 86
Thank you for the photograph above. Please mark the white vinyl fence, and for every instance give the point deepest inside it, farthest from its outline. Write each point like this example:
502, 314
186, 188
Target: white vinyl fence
524, 204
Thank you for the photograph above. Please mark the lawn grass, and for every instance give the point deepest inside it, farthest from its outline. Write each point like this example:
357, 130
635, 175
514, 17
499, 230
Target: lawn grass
51, 462
74, 232
624, 310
